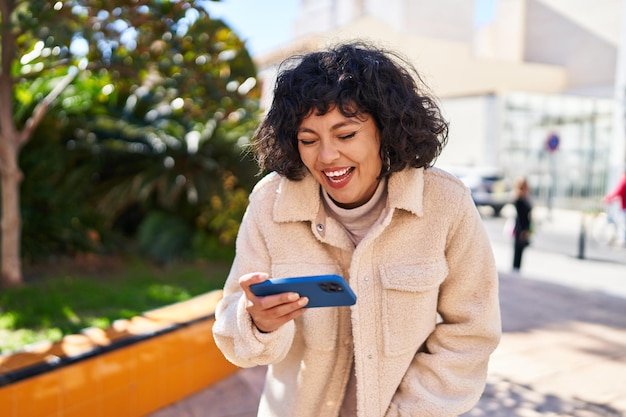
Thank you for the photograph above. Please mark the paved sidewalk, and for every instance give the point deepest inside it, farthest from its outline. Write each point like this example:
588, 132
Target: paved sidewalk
563, 353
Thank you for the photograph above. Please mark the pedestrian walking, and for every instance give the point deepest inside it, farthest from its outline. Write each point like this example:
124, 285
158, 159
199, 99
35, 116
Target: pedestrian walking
349, 141
523, 221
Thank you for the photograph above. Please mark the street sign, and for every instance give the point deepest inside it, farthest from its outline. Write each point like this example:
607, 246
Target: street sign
552, 143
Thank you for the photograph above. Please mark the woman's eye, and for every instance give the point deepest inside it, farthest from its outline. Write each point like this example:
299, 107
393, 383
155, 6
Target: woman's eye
351, 135
306, 142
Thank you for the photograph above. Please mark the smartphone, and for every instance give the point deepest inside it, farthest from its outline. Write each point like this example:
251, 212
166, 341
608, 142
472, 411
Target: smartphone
321, 290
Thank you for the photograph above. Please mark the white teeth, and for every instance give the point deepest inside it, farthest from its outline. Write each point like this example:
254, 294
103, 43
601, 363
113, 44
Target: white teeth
337, 173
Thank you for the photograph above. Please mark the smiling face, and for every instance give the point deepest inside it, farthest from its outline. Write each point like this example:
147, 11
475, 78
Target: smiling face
343, 155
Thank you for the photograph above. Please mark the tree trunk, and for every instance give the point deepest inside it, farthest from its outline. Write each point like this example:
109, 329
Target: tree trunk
11, 224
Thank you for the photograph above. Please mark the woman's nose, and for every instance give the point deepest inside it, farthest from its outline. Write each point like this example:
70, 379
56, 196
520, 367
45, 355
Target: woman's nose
328, 152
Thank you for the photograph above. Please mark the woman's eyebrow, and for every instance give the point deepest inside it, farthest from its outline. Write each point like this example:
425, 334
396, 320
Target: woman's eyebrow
344, 123
336, 126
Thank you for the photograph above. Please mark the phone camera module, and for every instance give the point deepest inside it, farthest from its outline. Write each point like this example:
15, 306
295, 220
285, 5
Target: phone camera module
331, 287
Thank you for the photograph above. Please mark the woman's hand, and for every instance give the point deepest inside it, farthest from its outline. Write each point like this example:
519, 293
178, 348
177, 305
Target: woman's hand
270, 312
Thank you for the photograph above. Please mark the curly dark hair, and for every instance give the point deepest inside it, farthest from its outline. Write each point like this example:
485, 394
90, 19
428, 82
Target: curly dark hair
357, 78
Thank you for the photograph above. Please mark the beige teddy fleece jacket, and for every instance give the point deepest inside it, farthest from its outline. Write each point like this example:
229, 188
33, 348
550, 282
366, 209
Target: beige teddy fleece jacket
427, 316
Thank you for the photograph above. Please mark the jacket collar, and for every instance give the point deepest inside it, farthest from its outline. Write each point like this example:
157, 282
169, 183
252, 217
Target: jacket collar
301, 200
400, 184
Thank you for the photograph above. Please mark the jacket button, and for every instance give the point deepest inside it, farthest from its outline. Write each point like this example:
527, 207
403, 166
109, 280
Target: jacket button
320, 227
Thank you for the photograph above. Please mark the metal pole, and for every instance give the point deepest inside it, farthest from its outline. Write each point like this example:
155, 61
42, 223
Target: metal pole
581, 238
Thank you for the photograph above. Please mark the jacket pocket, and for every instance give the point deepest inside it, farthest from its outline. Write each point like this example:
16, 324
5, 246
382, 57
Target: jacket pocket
317, 326
409, 304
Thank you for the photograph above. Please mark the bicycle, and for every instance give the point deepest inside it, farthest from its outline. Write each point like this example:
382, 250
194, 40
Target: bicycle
607, 227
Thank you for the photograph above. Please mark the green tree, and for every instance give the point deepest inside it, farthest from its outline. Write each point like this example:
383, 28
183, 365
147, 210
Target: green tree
172, 151
170, 99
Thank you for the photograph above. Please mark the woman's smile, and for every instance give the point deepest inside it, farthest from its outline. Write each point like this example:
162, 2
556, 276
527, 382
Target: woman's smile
339, 177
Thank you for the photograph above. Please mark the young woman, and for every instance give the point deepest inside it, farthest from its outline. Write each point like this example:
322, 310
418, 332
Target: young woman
350, 139
522, 229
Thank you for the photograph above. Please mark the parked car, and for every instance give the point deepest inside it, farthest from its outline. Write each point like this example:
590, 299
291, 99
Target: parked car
488, 186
